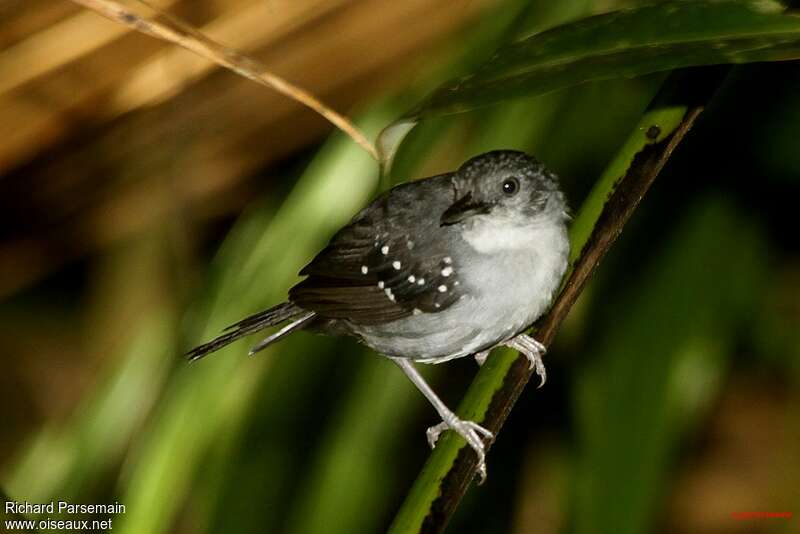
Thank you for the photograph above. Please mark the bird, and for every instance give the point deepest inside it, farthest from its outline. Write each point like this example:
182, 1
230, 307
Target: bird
435, 269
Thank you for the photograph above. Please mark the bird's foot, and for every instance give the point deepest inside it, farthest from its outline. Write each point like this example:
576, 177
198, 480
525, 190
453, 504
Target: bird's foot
473, 434
533, 350
481, 356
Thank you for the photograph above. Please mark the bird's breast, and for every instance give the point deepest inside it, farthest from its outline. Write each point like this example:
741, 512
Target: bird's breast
499, 289
513, 277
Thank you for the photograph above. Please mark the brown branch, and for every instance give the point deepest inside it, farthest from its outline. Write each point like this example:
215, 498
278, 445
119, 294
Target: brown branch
168, 28
691, 90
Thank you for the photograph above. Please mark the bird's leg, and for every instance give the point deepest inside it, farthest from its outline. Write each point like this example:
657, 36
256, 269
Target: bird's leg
481, 356
472, 432
533, 350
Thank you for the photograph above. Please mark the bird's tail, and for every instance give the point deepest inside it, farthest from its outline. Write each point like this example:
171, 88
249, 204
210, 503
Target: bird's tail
274, 316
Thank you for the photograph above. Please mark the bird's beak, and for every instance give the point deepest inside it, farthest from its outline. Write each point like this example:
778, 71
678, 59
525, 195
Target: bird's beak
462, 208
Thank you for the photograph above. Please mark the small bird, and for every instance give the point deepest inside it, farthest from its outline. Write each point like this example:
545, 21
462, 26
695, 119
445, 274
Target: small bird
435, 269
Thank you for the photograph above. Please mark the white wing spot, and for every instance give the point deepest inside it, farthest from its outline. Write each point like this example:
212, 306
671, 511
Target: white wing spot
385, 250
410, 244
421, 282
411, 279
380, 284
364, 269
448, 260
447, 271
389, 294
416, 311
456, 283
442, 288
438, 305
396, 265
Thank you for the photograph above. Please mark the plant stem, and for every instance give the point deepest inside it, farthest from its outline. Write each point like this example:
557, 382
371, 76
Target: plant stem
446, 475
168, 28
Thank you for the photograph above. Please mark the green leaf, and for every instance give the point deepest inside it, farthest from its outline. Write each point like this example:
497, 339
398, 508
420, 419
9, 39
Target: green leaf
257, 261
658, 359
626, 43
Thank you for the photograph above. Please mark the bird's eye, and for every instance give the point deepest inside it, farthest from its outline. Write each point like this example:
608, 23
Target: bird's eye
511, 186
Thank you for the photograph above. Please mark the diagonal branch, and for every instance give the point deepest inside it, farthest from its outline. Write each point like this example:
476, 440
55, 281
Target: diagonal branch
452, 466
168, 28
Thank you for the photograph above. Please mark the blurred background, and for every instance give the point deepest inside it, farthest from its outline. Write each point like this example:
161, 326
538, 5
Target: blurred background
148, 199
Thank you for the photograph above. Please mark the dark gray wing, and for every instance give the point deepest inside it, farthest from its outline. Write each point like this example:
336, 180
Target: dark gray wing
390, 262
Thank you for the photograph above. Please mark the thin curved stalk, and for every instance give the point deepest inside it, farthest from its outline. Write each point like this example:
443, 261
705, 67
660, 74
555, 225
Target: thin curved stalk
170, 29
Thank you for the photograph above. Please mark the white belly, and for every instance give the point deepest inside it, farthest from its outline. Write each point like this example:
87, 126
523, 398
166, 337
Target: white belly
508, 284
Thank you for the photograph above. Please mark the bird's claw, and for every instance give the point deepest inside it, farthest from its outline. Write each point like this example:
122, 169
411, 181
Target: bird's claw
481, 356
536, 362
473, 434
434, 432
533, 350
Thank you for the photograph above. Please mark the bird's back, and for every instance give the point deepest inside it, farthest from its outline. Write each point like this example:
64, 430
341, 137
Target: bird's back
386, 264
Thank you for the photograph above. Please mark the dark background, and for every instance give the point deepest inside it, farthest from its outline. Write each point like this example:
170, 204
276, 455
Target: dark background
147, 200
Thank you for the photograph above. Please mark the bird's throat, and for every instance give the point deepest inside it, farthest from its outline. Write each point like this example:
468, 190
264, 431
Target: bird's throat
490, 235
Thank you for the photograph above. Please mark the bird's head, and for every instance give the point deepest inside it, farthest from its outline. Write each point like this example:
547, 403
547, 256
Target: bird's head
507, 185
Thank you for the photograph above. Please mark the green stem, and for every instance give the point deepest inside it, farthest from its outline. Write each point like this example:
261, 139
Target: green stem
451, 466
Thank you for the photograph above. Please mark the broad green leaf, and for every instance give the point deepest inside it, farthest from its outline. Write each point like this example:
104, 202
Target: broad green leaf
256, 263
625, 43
658, 361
